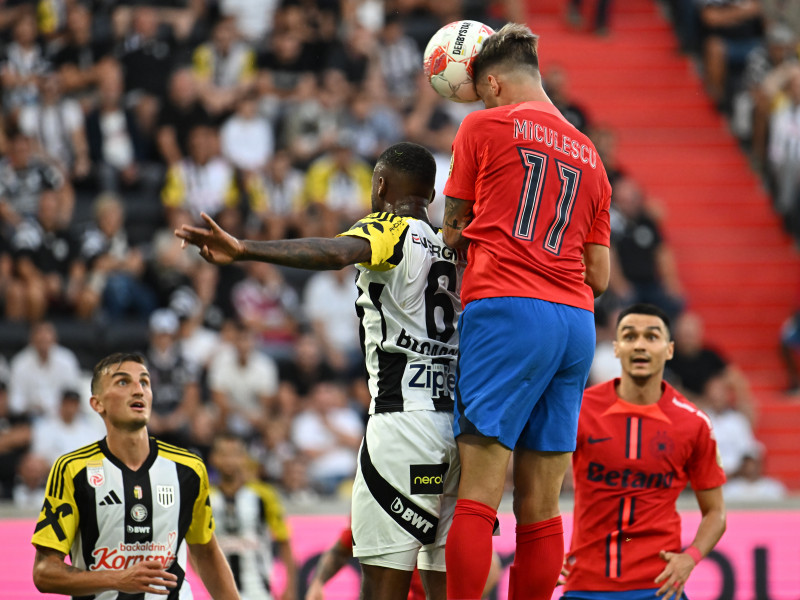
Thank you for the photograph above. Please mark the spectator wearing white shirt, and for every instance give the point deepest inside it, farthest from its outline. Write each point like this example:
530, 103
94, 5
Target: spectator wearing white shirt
70, 429
329, 299
328, 433
751, 485
243, 382
31, 480
39, 373
784, 153
247, 139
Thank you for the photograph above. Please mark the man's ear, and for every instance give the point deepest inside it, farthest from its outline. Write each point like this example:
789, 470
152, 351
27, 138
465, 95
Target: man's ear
96, 405
494, 84
382, 187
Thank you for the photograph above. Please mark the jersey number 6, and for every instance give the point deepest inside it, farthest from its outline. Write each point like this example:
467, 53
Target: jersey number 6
535, 164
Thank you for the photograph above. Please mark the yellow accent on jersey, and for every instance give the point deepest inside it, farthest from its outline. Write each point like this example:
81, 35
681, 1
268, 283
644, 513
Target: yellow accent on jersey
60, 515
173, 194
385, 233
201, 528
202, 60
273, 509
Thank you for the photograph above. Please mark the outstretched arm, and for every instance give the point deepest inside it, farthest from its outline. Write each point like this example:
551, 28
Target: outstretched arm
219, 247
330, 563
680, 564
457, 215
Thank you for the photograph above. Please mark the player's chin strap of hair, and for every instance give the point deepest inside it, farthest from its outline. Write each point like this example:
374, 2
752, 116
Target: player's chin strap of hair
696, 555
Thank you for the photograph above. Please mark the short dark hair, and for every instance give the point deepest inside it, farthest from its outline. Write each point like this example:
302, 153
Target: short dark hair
115, 359
228, 436
410, 158
642, 308
514, 45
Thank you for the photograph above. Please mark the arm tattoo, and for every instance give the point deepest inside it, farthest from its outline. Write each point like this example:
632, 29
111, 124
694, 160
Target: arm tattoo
309, 253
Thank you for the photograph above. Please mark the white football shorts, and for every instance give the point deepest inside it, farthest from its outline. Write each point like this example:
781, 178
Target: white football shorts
405, 490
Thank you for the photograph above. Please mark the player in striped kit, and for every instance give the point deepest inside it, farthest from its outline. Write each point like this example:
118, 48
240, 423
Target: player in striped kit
408, 304
249, 518
123, 507
639, 443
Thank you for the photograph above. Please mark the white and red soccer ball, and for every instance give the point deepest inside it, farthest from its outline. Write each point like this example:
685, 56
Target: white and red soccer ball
449, 56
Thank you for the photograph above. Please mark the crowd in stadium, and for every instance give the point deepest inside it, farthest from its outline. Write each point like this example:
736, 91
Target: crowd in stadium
123, 120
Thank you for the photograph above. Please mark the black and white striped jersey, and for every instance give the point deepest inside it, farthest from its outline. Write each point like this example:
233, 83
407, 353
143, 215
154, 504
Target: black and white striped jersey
247, 524
408, 304
106, 516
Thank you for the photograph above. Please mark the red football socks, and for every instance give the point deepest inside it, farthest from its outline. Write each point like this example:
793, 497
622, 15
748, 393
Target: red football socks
468, 552
537, 560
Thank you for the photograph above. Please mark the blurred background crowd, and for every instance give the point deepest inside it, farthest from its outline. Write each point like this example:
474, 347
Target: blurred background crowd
122, 120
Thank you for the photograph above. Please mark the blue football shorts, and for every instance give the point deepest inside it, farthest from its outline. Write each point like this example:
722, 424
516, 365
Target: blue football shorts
645, 594
522, 369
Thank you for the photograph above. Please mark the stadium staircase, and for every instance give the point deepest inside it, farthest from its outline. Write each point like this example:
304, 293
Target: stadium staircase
740, 271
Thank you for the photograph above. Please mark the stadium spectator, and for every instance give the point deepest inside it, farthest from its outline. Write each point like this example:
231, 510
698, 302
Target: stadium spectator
784, 153
328, 300
732, 429
48, 271
116, 144
115, 267
327, 432
266, 304
56, 123
646, 263
764, 73
32, 473
15, 438
732, 28
198, 343
40, 371
695, 364
147, 53
600, 22
556, 85
224, 68
23, 62
254, 18
180, 112
307, 366
399, 58
203, 181
337, 187
750, 484
243, 382
283, 189
174, 381
247, 139
71, 428
81, 58
605, 140
790, 343
23, 178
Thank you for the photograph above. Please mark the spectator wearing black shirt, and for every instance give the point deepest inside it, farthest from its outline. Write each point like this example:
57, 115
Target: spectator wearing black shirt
732, 28
695, 364
81, 59
643, 258
48, 273
23, 178
555, 84
181, 112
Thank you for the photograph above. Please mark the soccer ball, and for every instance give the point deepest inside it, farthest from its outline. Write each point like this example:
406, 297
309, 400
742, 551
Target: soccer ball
449, 56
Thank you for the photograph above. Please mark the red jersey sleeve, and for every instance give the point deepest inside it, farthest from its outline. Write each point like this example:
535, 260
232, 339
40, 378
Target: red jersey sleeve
600, 233
463, 162
346, 539
705, 465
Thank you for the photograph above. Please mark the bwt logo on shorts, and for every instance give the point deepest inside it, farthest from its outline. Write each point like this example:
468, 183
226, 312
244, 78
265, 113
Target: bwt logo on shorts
408, 514
428, 479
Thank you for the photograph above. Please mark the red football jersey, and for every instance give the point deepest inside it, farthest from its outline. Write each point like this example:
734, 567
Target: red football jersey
539, 193
630, 465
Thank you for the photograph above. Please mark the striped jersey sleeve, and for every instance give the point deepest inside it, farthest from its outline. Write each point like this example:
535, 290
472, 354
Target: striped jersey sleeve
385, 233
59, 518
274, 515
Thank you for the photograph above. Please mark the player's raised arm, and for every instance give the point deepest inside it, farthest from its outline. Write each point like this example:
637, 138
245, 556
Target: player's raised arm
219, 247
457, 215
52, 575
